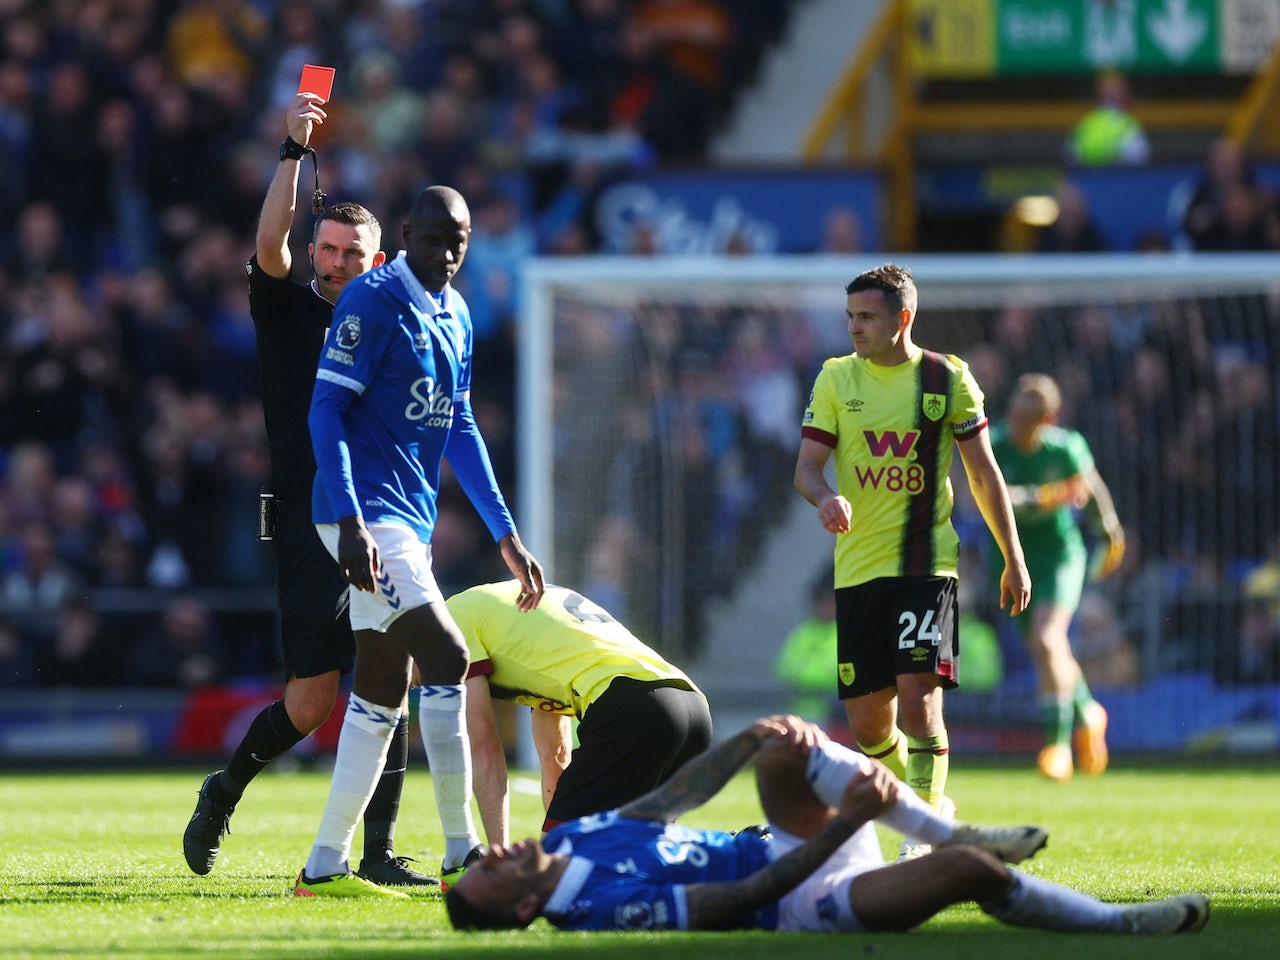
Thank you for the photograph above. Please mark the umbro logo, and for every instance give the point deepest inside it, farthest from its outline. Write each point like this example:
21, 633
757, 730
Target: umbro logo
853, 406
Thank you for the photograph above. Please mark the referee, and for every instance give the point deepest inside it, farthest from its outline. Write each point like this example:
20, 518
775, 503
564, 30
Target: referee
291, 320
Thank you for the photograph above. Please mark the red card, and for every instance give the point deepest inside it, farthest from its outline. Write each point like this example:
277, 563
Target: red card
317, 80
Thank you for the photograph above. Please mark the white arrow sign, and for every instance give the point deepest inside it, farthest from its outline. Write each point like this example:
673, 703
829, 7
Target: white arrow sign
1177, 29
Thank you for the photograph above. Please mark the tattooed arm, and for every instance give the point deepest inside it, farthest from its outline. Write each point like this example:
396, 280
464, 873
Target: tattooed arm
705, 775
715, 906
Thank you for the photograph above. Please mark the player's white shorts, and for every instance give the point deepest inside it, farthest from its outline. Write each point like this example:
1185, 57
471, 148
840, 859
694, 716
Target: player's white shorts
821, 903
406, 582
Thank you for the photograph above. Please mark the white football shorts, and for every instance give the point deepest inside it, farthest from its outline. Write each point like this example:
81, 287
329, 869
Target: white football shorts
821, 903
406, 582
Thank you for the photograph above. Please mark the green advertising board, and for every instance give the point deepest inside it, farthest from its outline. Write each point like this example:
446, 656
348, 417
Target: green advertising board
1019, 37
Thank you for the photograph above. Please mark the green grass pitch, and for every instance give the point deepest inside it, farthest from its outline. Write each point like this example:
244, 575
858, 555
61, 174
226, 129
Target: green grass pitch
92, 867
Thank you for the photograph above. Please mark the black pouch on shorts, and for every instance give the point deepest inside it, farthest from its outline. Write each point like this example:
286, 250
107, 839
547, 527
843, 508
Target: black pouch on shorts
268, 514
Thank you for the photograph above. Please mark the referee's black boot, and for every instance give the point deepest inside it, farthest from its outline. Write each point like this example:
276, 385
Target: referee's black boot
211, 820
393, 871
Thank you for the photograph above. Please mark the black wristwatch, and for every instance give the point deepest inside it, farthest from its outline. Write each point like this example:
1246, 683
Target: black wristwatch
291, 149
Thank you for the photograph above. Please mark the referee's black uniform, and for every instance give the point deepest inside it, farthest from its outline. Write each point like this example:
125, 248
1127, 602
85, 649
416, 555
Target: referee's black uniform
291, 320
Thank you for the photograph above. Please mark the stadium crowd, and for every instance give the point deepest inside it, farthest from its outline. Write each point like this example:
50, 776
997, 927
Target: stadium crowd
136, 141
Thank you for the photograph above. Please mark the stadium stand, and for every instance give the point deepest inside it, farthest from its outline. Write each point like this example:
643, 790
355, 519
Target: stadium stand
136, 140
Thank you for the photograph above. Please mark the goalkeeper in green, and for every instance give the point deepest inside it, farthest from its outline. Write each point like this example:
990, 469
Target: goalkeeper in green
1052, 481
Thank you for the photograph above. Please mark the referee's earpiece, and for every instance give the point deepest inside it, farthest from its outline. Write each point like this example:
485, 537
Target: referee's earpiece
325, 277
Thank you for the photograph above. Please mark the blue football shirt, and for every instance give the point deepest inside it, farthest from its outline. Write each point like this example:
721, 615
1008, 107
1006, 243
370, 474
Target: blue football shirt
631, 874
392, 396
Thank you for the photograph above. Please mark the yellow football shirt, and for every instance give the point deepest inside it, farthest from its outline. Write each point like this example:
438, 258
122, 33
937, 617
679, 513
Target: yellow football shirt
893, 431
557, 658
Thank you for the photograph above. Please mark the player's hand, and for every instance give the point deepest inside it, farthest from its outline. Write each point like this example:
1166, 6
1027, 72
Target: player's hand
525, 568
868, 794
836, 513
303, 112
1015, 588
795, 731
358, 554
1108, 560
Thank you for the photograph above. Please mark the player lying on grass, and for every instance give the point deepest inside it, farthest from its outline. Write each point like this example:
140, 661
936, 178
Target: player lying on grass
819, 869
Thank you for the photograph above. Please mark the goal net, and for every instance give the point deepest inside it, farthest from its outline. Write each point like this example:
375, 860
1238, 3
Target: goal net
660, 403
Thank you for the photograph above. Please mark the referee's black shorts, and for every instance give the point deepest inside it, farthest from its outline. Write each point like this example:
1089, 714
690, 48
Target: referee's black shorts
632, 738
315, 631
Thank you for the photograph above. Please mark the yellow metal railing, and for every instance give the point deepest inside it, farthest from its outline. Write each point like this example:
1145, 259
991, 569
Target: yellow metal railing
1247, 120
842, 117
842, 108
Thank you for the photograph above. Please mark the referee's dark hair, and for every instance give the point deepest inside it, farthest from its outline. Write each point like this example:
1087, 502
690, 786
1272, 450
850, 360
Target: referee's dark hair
352, 215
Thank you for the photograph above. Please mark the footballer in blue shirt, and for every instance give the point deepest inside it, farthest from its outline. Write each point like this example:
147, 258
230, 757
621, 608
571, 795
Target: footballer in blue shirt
392, 399
817, 867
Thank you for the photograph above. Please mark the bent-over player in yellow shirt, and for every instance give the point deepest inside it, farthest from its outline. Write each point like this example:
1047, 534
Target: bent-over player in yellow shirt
639, 716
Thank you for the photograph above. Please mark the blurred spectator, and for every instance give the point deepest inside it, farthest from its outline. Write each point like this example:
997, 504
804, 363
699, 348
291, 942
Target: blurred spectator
118, 565
62, 375
79, 654
770, 399
1074, 229
246, 562
611, 564
841, 231
213, 42
42, 582
1217, 203
1109, 133
17, 95
113, 38
16, 669
176, 165
444, 144
1247, 435
66, 161
408, 32
126, 241
1021, 331
74, 523
153, 327
501, 240
300, 34
40, 246
183, 649
1246, 220
27, 484
647, 94
383, 115
1254, 657
588, 45
187, 494
694, 37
